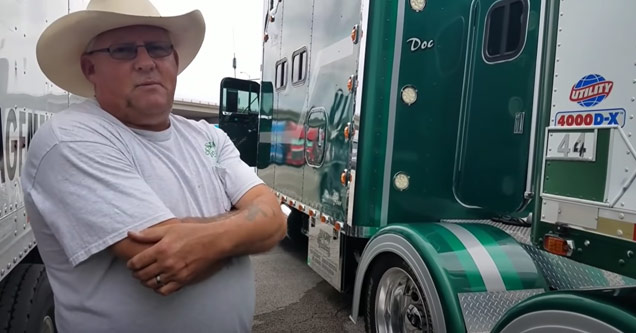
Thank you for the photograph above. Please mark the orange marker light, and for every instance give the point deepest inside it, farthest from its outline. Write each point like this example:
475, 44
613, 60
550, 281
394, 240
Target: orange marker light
337, 226
354, 35
301, 208
311, 213
323, 219
346, 133
557, 245
343, 178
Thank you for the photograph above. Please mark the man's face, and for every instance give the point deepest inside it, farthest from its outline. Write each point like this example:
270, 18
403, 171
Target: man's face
138, 91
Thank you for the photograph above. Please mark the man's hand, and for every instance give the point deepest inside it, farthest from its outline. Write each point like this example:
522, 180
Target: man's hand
127, 248
183, 254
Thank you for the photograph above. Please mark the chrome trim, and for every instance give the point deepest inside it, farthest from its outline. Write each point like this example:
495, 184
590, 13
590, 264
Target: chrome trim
289, 203
357, 107
391, 243
361, 232
467, 91
399, 31
346, 229
535, 101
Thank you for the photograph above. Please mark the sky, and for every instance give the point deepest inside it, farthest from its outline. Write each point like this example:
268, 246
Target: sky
233, 26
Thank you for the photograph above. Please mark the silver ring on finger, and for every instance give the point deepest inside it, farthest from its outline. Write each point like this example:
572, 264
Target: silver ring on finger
158, 279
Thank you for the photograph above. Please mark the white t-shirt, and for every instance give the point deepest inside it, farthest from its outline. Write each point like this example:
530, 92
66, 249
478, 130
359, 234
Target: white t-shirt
89, 179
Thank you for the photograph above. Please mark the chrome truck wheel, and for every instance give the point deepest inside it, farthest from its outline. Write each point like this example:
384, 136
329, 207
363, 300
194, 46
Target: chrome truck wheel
394, 300
48, 326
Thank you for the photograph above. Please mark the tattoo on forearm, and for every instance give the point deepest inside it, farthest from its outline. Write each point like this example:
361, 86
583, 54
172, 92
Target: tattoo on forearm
254, 211
224, 216
210, 219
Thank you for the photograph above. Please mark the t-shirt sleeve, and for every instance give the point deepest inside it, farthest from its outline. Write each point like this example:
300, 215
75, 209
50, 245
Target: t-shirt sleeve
237, 176
90, 195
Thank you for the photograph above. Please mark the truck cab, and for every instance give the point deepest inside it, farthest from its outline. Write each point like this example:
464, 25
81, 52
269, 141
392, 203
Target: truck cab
456, 156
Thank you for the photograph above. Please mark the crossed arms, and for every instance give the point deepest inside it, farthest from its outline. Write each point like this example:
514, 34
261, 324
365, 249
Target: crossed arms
186, 250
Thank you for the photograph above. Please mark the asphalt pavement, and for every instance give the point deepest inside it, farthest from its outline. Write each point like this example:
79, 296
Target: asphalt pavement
291, 297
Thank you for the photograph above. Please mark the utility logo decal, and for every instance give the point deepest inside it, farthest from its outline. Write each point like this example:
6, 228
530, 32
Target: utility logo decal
591, 90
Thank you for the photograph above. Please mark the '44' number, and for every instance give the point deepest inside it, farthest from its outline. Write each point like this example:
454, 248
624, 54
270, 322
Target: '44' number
579, 146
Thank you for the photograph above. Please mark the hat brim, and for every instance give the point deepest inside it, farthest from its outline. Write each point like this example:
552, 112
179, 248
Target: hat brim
62, 44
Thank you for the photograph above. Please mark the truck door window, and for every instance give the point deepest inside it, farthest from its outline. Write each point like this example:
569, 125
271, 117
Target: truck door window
505, 31
281, 74
315, 137
299, 66
239, 101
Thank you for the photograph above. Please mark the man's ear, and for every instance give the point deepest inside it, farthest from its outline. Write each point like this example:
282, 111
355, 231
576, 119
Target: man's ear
88, 67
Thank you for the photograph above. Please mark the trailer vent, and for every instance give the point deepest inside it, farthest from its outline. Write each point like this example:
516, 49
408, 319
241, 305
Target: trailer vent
281, 74
299, 66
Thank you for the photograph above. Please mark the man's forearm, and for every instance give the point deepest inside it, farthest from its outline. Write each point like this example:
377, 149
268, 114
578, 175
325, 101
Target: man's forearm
256, 228
210, 219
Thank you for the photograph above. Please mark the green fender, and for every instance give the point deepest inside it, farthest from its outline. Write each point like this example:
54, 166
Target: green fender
614, 307
449, 259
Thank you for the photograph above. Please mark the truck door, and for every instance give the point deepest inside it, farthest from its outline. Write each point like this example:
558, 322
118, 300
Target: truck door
238, 115
329, 105
494, 136
287, 58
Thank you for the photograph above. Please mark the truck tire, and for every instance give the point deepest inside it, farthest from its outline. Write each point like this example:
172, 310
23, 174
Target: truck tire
389, 281
26, 301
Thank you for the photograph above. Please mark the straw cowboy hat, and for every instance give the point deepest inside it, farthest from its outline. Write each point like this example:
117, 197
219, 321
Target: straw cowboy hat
62, 44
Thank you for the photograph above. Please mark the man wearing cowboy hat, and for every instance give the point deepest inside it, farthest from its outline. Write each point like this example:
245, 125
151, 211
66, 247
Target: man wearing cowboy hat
120, 191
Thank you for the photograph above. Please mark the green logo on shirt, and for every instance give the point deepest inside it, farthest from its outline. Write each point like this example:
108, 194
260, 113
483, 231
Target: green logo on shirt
210, 150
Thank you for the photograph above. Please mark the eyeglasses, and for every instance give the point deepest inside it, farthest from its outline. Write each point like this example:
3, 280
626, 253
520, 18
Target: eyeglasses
128, 51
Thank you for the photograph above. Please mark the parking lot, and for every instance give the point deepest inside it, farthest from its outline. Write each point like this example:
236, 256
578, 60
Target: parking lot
290, 297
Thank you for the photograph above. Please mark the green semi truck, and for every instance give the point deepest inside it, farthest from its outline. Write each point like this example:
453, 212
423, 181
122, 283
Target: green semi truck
457, 166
